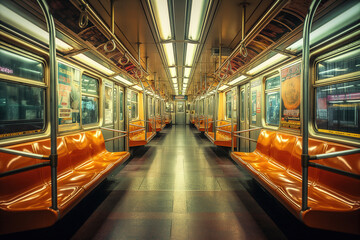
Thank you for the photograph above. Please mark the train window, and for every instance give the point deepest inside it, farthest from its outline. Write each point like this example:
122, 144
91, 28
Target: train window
134, 105
108, 103
19, 66
121, 105
338, 109
21, 109
89, 100
69, 96
339, 65
228, 104
211, 106
242, 99
167, 107
272, 100
338, 103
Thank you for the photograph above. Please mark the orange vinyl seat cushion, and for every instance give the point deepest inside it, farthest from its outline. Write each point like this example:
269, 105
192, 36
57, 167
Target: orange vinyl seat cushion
25, 198
333, 199
138, 138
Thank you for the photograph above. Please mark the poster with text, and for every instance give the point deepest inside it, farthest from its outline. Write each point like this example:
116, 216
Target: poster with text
290, 96
69, 94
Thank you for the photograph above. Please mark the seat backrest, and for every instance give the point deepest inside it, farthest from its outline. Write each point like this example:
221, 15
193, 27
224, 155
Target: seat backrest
281, 149
315, 147
264, 142
19, 183
64, 165
78, 146
96, 141
347, 186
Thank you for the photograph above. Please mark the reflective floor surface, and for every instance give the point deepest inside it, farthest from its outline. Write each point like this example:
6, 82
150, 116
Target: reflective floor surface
180, 186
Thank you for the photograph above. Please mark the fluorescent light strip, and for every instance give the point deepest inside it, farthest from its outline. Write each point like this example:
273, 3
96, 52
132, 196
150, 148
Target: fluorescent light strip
137, 87
174, 80
187, 72
268, 63
198, 10
236, 80
223, 87
15, 20
162, 17
186, 80
92, 63
190, 53
172, 71
123, 80
169, 52
330, 27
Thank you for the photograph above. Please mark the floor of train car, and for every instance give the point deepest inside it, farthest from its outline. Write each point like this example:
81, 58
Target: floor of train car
180, 186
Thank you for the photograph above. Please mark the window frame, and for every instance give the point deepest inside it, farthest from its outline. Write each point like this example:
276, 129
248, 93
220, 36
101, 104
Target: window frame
21, 81
318, 83
136, 104
90, 95
269, 91
226, 104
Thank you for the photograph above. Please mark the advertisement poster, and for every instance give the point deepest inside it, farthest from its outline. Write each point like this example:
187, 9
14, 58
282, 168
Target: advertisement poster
108, 103
258, 106
290, 96
253, 106
69, 94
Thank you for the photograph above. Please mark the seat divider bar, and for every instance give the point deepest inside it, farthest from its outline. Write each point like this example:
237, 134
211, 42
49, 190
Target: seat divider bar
334, 170
24, 169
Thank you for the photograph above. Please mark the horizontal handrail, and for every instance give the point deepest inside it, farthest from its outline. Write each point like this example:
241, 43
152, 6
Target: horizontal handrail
140, 120
226, 125
137, 130
113, 130
121, 136
24, 169
250, 139
135, 125
334, 154
248, 130
334, 170
220, 130
24, 154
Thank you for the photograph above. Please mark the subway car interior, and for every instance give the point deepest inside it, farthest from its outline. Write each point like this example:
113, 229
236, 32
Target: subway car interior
179, 119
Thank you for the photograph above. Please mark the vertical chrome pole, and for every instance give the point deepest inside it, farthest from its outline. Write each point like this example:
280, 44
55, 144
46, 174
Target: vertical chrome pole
53, 101
305, 107
127, 119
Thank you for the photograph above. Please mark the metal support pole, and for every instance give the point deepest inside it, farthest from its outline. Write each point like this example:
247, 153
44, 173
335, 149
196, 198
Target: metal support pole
113, 17
127, 119
53, 101
305, 107
216, 107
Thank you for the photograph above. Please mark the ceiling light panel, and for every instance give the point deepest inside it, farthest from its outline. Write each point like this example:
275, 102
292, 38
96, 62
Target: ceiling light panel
190, 53
187, 72
162, 18
236, 80
169, 52
172, 71
123, 80
268, 63
92, 63
197, 15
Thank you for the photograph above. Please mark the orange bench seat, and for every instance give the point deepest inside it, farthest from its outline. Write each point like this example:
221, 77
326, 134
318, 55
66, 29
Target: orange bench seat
222, 138
333, 199
25, 198
137, 138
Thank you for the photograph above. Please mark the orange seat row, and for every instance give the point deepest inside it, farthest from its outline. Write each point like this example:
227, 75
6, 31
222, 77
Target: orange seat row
137, 135
333, 199
222, 138
25, 198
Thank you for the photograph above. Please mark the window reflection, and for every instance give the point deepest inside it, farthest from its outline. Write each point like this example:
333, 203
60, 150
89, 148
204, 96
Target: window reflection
338, 107
272, 100
21, 108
